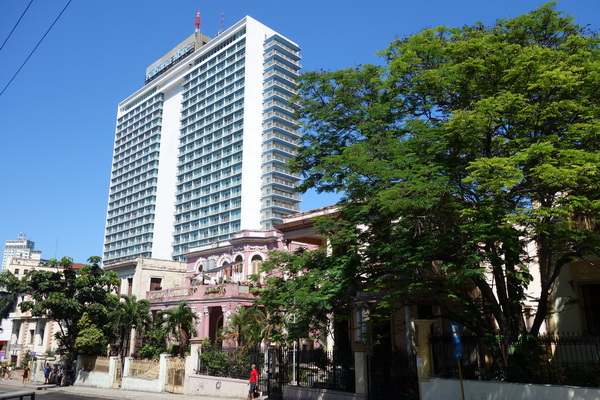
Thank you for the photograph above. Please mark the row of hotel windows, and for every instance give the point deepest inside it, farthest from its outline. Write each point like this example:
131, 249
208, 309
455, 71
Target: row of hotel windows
141, 119
205, 60
225, 109
146, 194
137, 101
213, 190
118, 218
125, 231
210, 75
129, 241
140, 141
128, 229
223, 175
138, 171
207, 222
127, 180
189, 107
120, 189
133, 221
132, 162
209, 141
205, 233
131, 136
231, 201
149, 139
138, 132
220, 97
123, 254
204, 116
226, 169
213, 160
231, 207
216, 74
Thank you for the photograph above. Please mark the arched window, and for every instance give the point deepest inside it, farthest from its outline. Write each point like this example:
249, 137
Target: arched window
255, 266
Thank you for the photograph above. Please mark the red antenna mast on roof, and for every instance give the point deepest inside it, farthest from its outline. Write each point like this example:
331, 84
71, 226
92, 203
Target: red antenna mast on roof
197, 22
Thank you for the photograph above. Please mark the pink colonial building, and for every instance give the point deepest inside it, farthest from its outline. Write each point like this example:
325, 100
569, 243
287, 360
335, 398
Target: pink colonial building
217, 279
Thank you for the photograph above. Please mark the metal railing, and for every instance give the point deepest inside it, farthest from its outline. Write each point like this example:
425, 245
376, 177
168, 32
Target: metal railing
565, 359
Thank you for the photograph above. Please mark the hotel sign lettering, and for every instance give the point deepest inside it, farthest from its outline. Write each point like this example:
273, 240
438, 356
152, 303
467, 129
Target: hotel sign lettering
177, 56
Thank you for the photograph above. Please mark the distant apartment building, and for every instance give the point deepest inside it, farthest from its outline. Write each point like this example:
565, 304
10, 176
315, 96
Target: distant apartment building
201, 149
20, 247
22, 332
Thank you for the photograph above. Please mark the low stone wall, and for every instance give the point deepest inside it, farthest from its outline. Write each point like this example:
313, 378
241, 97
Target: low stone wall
156, 384
302, 393
95, 378
204, 385
449, 389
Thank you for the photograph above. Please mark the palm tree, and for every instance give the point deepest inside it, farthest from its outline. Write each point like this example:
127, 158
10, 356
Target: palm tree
248, 325
130, 314
181, 322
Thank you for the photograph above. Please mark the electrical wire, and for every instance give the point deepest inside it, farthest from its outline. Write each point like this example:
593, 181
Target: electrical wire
15, 27
34, 49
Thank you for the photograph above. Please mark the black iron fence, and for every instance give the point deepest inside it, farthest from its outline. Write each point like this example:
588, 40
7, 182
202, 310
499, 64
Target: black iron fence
308, 368
566, 359
323, 369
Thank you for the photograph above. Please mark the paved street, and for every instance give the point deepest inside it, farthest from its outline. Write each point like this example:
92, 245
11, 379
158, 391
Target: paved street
85, 393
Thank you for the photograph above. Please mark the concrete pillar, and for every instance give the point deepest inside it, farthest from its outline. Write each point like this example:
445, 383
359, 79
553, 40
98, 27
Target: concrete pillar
126, 365
360, 372
162, 371
423, 350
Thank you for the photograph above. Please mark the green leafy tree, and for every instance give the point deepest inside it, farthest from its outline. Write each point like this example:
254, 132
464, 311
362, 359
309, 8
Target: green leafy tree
67, 295
91, 339
10, 289
155, 338
470, 156
304, 291
180, 321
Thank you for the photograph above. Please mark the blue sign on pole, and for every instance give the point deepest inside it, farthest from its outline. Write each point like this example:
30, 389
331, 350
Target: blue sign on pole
458, 348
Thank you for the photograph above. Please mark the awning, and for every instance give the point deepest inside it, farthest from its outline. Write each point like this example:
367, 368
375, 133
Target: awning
217, 269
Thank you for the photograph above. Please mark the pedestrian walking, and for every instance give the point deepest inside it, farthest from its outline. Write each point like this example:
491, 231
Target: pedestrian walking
253, 382
25, 374
47, 374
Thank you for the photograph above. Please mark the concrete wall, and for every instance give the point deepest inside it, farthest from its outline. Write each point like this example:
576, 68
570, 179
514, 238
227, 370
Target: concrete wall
214, 386
449, 389
301, 393
96, 379
145, 385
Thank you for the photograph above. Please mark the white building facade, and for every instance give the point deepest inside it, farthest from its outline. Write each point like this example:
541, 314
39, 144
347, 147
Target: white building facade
21, 247
200, 150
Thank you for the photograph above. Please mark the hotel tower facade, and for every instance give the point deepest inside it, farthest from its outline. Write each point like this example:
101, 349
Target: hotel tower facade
201, 150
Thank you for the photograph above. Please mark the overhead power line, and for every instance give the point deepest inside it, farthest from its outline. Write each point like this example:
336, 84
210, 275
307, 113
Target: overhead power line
34, 49
15, 27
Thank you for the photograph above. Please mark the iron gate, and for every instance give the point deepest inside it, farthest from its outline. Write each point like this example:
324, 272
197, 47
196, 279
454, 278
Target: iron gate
392, 377
277, 365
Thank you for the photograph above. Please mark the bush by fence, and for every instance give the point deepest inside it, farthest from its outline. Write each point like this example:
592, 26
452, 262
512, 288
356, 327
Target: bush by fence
230, 363
546, 359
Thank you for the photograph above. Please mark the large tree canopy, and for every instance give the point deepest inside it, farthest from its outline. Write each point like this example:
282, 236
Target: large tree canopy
468, 158
81, 301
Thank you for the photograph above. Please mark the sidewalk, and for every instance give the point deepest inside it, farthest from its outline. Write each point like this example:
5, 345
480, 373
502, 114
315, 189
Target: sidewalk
103, 393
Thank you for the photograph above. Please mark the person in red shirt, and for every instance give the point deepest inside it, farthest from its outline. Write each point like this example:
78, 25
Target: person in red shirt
253, 381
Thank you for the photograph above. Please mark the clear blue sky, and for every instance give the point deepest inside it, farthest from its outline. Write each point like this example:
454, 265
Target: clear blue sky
57, 118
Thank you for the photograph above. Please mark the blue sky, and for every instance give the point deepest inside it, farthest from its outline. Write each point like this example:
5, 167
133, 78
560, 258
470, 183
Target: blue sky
57, 118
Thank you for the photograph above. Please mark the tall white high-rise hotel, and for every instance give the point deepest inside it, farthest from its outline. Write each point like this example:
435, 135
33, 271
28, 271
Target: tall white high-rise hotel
201, 150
